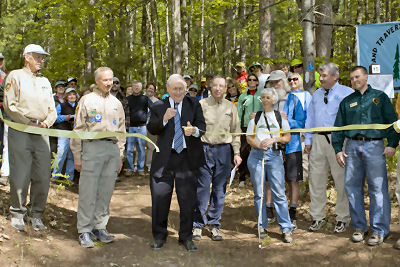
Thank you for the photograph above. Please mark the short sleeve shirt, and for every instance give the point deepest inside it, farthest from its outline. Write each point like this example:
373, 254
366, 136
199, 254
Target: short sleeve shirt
261, 129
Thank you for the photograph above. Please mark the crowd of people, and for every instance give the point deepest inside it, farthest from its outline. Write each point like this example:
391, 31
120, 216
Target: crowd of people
202, 133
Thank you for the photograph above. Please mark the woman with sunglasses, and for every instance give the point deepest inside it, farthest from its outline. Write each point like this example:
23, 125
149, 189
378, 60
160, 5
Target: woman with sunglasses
296, 110
233, 91
248, 104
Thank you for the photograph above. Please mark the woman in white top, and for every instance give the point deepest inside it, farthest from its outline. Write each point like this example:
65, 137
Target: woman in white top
269, 146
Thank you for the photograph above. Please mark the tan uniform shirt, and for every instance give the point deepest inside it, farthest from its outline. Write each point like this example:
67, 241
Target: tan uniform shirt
98, 112
27, 97
221, 117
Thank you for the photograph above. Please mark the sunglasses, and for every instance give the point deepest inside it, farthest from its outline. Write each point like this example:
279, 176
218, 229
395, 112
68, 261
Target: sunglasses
115, 82
326, 97
252, 80
295, 79
192, 90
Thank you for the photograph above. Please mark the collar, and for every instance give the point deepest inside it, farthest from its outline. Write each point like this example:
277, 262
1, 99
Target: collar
100, 93
214, 101
333, 87
27, 70
366, 91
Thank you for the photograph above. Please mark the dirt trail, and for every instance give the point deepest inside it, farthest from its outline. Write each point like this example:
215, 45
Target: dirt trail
130, 222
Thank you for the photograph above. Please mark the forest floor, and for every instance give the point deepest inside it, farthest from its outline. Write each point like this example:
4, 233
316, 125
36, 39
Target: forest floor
130, 222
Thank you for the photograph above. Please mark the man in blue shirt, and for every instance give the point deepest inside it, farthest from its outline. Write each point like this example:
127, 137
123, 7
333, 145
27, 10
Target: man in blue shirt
322, 113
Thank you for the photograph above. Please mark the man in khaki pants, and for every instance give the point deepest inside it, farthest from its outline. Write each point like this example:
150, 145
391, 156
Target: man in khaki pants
28, 100
322, 113
99, 160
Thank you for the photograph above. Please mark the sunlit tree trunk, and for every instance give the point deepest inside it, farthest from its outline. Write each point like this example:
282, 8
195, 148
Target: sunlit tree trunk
308, 45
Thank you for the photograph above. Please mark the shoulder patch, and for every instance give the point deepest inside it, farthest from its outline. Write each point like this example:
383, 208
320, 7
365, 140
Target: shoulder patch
8, 86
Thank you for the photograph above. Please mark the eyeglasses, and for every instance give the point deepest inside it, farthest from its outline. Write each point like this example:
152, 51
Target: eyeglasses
295, 79
192, 90
252, 80
115, 82
326, 96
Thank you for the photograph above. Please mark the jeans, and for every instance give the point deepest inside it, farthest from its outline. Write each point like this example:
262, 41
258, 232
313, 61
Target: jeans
273, 169
366, 159
140, 148
64, 153
215, 171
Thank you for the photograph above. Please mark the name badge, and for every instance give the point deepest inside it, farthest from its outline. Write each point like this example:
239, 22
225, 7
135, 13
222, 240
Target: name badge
97, 118
353, 104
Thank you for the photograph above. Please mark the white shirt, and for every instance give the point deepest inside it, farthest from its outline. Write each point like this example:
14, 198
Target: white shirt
261, 80
261, 128
179, 108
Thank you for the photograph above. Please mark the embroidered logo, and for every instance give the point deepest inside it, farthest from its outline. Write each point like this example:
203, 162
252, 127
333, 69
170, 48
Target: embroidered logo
375, 100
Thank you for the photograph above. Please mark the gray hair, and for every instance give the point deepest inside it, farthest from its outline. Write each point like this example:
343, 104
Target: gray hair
331, 67
137, 82
176, 77
271, 91
100, 70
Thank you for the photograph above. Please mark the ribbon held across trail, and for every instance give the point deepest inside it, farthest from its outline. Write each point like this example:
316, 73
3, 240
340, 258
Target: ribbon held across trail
71, 134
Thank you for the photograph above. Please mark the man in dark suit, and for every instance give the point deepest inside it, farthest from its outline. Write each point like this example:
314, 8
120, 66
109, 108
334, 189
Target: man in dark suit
179, 160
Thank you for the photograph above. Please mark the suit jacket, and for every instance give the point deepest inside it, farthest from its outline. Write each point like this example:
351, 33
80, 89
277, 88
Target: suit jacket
192, 112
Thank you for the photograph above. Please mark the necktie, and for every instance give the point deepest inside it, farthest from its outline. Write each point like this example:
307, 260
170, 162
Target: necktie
178, 136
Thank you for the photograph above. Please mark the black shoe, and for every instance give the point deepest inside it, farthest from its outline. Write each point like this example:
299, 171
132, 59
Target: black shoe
189, 245
157, 244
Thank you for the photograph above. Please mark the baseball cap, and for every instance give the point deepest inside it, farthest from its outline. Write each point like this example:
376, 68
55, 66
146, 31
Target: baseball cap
276, 75
256, 64
295, 62
187, 77
203, 80
60, 83
210, 75
240, 64
72, 79
115, 79
70, 89
1, 55
33, 48
193, 86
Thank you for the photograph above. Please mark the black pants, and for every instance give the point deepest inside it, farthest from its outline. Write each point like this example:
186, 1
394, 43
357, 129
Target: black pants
244, 154
177, 171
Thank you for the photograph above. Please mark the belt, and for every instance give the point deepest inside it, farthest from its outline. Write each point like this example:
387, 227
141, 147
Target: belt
216, 145
362, 138
326, 136
105, 139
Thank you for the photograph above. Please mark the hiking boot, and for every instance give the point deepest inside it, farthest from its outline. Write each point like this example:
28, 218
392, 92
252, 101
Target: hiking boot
294, 224
287, 237
316, 225
128, 173
103, 235
85, 240
270, 214
196, 234
397, 245
358, 236
37, 224
263, 233
375, 240
141, 173
215, 235
340, 227
18, 223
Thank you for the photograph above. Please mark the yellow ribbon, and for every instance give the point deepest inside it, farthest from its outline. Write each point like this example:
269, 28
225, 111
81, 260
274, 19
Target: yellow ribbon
71, 134
317, 129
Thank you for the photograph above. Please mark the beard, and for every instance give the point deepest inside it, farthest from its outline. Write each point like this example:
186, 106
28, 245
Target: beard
281, 93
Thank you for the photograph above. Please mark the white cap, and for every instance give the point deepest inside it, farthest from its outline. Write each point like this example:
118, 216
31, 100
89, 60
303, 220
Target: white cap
33, 48
1, 56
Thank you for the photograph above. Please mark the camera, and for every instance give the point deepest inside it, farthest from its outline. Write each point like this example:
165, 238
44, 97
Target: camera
278, 146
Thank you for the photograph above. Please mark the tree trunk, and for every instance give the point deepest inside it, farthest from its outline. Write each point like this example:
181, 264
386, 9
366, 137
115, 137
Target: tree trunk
324, 32
168, 42
152, 43
366, 11
144, 43
308, 45
265, 33
358, 22
227, 42
155, 13
242, 41
89, 69
377, 11
177, 42
185, 32
203, 41
393, 13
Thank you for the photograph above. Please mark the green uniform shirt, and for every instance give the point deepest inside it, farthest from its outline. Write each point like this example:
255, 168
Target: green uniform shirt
373, 106
248, 104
